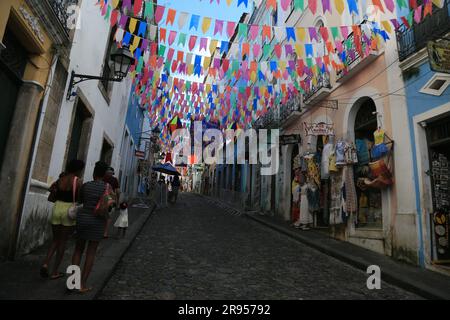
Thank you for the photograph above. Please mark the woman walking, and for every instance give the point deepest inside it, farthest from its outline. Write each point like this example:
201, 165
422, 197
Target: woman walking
64, 192
91, 223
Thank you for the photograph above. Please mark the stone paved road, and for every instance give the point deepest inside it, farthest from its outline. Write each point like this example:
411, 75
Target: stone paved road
196, 250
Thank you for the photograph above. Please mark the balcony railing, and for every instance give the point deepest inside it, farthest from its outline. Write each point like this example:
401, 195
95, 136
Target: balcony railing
411, 40
323, 82
293, 105
268, 121
60, 9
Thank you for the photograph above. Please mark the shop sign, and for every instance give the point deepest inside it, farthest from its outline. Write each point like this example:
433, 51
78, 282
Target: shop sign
140, 154
439, 55
290, 139
319, 129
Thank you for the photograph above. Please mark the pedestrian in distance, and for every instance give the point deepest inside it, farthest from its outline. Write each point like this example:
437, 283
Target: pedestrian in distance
114, 183
175, 188
97, 199
64, 193
122, 220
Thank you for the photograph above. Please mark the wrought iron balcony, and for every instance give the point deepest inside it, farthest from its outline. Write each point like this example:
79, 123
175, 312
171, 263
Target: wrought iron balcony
354, 62
411, 40
290, 108
269, 120
318, 90
61, 10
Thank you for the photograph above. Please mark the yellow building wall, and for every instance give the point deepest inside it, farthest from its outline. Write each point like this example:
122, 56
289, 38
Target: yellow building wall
40, 53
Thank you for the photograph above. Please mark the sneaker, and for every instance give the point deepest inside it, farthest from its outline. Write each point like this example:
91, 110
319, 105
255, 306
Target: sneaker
305, 228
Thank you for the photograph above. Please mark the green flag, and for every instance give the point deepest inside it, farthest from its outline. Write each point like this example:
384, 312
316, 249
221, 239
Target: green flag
243, 30
298, 5
162, 50
182, 39
148, 13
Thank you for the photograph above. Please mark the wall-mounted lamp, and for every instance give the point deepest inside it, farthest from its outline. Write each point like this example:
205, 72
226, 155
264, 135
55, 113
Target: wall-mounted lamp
121, 61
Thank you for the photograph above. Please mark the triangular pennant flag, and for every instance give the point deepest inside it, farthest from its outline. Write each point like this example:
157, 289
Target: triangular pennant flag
352, 6
170, 20
285, 4
242, 31
192, 42
159, 13
195, 20
182, 39
182, 19
377, 4
299, 5
206, 24
244, 2
312, 4
230, 28
326, 6
172, 36
418, 14
389, 5
339, 5
271, 4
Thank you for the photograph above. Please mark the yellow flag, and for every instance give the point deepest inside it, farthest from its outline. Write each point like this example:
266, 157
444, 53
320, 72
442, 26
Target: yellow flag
208, 88
438, 3
339, 4
212, 46
387, 26
301, 34
206, 62
253, 76
206, 24
229, 2
282, 66
115, 3
135, 44
299, 50
190, 69
133, 23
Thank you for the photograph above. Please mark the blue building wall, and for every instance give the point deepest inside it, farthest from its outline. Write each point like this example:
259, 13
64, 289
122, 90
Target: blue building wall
135, 118
418, 103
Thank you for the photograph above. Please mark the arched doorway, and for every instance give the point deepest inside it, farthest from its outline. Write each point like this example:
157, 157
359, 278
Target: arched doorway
369, 200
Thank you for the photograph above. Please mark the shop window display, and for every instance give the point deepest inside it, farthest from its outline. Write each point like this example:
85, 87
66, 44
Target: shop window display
369, 213
439, 143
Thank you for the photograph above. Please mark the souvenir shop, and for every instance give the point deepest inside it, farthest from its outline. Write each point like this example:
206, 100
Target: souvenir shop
438, 139
339, 180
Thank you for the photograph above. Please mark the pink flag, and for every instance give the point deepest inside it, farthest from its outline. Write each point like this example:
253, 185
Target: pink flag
218, 28
172, 36
192, 42
285, 4
390, 5
344, 32
256, 50
230, 28
418, 14
170, 54
203, 43
312, 6
159, 13
254, 29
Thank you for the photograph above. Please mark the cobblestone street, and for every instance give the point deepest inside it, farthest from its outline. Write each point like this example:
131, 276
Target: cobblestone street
197, 250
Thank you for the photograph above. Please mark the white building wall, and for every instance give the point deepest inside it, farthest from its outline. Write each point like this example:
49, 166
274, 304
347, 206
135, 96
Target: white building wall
87, 55
92, 38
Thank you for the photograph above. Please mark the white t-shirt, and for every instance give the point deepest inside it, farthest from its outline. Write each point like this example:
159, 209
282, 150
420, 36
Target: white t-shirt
326, 153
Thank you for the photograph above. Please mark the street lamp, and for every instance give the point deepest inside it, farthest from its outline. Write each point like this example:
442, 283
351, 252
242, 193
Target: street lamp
120, 63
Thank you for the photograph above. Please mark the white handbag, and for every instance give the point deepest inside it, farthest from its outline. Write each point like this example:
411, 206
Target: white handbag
74, 208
